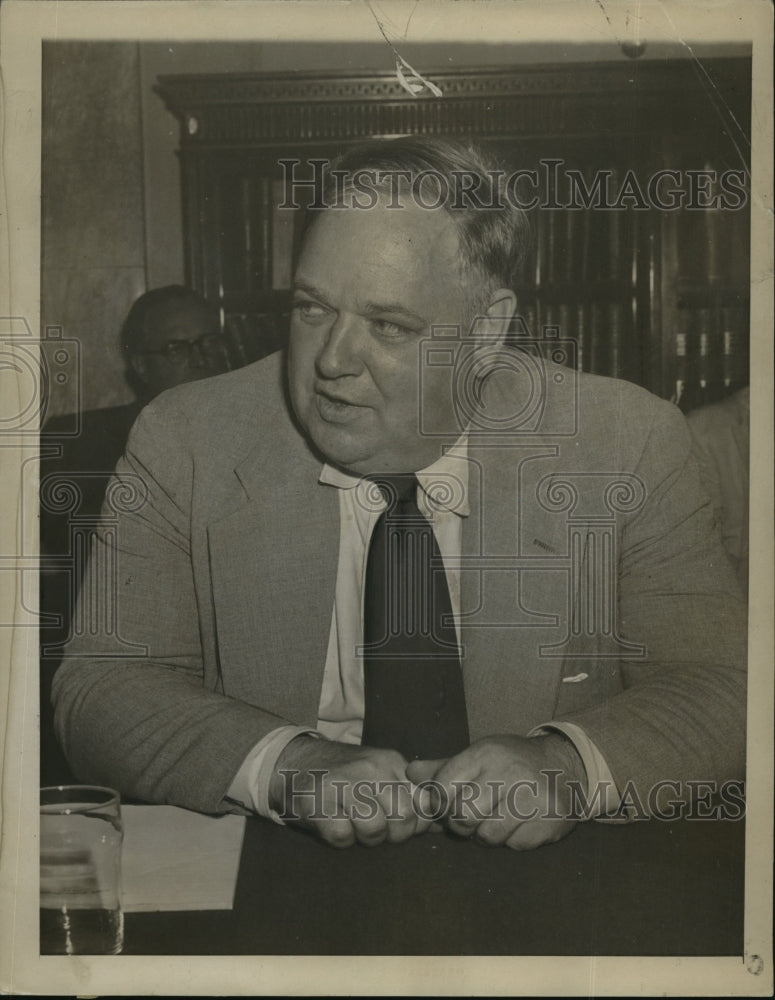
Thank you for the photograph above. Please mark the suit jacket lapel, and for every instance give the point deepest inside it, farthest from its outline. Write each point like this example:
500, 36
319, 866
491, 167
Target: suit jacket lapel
273, 565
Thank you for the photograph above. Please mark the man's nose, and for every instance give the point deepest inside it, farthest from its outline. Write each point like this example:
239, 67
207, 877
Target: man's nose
196, 355
209, 356
341, 352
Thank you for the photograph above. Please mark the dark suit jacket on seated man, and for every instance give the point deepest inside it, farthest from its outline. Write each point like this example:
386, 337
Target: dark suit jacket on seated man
596, 645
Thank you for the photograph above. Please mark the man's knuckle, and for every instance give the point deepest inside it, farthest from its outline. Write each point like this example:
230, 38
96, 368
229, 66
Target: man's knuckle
401, 829
490, 834
461, 828
337, 835
370, 838
393, 761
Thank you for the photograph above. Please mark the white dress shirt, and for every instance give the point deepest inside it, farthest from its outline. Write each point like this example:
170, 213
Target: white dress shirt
443, 499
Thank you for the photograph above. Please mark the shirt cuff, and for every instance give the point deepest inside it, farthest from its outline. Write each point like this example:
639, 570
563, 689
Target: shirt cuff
250, 786
602, 794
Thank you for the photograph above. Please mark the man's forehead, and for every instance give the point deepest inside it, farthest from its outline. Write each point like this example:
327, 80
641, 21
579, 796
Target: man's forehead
406, 244
402, 214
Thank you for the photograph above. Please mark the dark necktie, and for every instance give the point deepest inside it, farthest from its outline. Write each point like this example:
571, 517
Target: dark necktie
413, 684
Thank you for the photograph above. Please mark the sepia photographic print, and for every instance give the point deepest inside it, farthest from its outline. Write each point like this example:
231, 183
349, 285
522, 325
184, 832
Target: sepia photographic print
386, 442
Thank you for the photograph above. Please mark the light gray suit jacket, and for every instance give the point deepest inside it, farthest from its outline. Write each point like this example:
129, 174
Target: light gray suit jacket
225, 580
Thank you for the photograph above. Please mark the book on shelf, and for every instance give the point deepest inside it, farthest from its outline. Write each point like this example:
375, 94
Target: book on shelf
546, 248
266, 201
238, 339
580, 335
616, 257
695, 357
711, 348
734, 348
615, 345
681, 370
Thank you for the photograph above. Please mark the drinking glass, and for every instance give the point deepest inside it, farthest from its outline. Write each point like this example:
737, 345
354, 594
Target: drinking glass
80, 871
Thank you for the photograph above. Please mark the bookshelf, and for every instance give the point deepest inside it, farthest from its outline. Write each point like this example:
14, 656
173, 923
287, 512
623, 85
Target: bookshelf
650, 282
706, 293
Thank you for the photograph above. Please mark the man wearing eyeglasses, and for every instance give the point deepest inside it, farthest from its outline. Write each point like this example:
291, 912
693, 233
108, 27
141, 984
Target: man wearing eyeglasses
445, 567
171, 336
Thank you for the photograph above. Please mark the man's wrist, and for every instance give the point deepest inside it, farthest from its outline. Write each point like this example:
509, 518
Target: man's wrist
561, 748
294, 757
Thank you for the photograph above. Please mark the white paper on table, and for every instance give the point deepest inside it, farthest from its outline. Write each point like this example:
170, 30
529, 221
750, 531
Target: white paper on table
174, 859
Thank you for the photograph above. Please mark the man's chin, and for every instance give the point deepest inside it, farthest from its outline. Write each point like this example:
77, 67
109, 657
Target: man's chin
360, 449
339, 445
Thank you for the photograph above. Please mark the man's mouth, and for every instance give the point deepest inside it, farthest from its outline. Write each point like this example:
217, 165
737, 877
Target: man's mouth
335, 408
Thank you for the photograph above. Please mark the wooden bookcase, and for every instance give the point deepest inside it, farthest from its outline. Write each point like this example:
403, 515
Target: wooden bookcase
657, 295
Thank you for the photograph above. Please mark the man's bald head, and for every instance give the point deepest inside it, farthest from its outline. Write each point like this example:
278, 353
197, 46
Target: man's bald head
171, 335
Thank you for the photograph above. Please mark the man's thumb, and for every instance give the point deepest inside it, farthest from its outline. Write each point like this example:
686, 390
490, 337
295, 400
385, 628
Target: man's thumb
422, 770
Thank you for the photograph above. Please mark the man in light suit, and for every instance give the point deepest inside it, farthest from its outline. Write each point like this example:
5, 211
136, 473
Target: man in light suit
597, 649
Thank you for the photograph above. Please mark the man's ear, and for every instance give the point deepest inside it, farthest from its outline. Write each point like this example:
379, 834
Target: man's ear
494, 325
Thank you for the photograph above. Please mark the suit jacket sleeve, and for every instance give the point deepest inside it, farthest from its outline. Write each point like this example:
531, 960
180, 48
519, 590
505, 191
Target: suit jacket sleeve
682, 713
147, 718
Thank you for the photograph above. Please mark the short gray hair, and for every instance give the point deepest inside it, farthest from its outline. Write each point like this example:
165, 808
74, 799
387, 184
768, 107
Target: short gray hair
494, 233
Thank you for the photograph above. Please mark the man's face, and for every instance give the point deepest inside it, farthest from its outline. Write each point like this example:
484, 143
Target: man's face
368, 288
179, 345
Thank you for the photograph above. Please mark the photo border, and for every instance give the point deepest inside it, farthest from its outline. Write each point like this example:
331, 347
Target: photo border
24, 25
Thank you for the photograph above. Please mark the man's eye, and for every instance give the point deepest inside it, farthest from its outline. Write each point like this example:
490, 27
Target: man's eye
387, 328
309, 310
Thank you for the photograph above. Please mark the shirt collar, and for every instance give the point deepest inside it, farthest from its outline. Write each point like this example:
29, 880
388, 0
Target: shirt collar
444, 483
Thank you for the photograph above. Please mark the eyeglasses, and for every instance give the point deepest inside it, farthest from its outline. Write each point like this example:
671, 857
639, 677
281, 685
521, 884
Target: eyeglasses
210, 346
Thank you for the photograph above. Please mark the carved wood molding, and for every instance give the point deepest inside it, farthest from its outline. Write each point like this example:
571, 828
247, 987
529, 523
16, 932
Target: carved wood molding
256, 109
